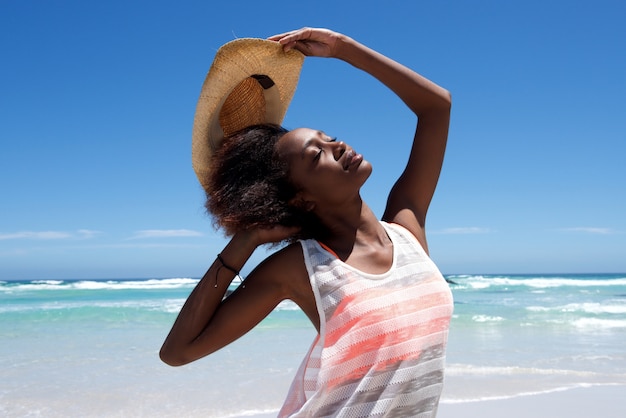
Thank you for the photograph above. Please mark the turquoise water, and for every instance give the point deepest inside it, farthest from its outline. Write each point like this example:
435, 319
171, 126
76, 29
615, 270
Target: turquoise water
523, 334
90, 348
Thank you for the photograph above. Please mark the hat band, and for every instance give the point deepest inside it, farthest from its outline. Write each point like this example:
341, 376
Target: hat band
263, 80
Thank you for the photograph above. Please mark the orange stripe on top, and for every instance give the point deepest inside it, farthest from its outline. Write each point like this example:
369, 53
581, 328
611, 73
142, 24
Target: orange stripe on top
327, 248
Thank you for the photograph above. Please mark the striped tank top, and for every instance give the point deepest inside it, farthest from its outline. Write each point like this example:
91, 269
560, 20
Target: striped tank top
381, 347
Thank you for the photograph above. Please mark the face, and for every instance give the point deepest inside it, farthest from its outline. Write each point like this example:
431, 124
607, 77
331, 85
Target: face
326, 170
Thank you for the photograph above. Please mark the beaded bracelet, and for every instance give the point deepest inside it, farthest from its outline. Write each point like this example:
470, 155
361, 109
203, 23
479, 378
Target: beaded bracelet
227, 267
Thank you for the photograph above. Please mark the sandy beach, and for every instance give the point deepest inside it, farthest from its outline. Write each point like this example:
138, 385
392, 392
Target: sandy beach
597, 401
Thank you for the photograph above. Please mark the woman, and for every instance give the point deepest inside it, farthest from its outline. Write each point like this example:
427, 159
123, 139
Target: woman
379, 304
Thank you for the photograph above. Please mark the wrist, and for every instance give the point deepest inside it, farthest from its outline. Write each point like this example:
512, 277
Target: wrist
343, 44
246, 240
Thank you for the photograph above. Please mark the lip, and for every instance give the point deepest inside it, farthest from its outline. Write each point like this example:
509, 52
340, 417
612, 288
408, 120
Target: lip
352, 159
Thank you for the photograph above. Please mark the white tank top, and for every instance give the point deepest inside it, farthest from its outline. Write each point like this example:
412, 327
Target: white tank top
381, 347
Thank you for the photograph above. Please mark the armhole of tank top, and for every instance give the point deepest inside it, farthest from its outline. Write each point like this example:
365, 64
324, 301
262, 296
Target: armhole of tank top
316, 293
406, 234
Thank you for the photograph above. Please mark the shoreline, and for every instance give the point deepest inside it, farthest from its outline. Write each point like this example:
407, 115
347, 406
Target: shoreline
575, 402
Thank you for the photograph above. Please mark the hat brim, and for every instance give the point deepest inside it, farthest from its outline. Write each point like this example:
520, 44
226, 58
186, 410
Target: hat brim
235, 62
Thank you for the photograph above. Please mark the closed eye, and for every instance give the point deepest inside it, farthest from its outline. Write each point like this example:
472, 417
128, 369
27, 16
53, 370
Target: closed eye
319, 153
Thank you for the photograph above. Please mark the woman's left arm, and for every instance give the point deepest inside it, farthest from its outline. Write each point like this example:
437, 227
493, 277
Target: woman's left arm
412, 193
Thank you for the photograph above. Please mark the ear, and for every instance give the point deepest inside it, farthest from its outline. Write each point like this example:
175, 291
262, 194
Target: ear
309, 205
299, 202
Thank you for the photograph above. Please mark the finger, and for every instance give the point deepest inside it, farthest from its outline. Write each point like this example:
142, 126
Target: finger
299, 35
284, 40
278, 36
281, 36
293, 36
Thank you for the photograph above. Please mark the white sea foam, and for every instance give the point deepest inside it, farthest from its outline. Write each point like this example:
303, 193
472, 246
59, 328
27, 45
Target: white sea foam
52, 282
172, 305
470, 370
163, 305
529, 393
597, 323
487, 318
586, 307
287, 305
138, 284
252, 413
482, 282
480, 285
172, 283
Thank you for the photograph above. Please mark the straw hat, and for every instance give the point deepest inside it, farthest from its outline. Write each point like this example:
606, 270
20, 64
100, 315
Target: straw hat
251, 81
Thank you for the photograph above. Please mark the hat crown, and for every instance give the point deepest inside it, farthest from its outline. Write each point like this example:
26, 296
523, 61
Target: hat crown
251, 81
244, 106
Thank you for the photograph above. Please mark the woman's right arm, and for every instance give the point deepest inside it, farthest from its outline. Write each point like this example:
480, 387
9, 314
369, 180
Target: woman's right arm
207, 321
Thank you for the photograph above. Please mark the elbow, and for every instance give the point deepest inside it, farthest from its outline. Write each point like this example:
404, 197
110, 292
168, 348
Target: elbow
444, 106
172, 357
446, 99
168, 359
439, 103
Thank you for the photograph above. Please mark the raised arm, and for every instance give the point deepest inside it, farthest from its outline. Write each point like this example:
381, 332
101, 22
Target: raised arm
411, 195
207, 321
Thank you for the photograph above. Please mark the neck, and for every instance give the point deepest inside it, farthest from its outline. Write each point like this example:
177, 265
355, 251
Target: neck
351, 228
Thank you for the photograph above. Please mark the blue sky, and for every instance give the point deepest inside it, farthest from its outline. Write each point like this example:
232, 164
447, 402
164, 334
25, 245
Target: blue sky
97, 102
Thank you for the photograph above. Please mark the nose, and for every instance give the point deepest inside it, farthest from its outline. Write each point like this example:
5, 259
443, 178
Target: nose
339, 147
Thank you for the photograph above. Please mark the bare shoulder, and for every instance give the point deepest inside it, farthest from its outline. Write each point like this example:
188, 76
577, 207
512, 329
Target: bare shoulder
283, 260
287, 269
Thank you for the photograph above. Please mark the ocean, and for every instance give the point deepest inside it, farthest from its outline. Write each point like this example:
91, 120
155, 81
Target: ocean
80, 348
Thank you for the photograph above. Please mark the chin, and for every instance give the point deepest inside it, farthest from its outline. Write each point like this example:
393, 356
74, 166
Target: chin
366, 166
365, 169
